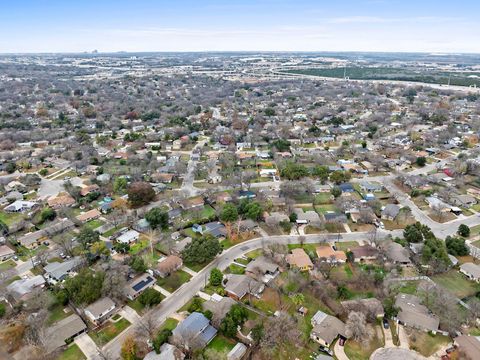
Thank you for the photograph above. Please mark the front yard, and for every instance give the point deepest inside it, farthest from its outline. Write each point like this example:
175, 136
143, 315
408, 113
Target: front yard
73, 352
174, 281
108, 331
359, 351
426, 343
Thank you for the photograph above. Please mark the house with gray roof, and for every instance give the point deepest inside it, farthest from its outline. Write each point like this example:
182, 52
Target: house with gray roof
397, 253
21, 289
62, 331
414, 314
238, 352
237, 286
471, 270
137, 285
390, 212
59, 271
263, 267
100, 310
195, 332
326, 329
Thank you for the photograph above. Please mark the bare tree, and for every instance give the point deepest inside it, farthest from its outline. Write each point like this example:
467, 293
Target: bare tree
356, 327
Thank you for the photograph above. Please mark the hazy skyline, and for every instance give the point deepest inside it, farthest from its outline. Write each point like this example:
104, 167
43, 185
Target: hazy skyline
268, 25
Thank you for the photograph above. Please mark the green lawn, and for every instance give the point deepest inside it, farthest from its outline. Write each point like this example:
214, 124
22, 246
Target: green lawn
169, 324
254, 254
309, 248
109, 331
236, 269
174, 281
195, 267
112, 231
323, 198
344, 246
12, 279
425, 343
10, 218
322, 209
72, 353
94, 224
57, 314
456, 283
408, 287
6, 265
139, 246
221, 344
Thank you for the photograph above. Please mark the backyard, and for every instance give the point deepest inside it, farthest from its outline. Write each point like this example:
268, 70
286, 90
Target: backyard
456, 283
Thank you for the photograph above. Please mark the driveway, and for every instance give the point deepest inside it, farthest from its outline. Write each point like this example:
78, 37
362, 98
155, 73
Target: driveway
387, 335
402, 336
340, 351
88, 347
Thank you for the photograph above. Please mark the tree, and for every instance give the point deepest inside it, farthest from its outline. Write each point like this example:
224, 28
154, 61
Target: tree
160, 339
87, 236
120, 185
234, 318
417, 232
157, 218
138, 264
229, 213
85, 287
298, 299
435, 250
99, 249
10, 167
421, 161
129, 349
140, 193
201, 250
269, 111
254, 210
279, 331
216, 277
339, 177
150, 297
47, 213
356, 327
294, 171
336, 191
463, 230
321, 172
456, 246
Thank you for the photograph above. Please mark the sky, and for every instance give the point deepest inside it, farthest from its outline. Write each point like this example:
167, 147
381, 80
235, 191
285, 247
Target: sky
439, 26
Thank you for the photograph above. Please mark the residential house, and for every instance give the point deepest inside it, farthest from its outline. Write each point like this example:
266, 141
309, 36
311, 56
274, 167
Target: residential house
179, 245
274, 218
59, 271
238, 352
390, 212
192, 203
299, 259
307, 217
471, 270
142, 226
20, 206
237, 286
364, 253
31, 239
414, 314
89, 189
262, 267
346, 188
215, 228
397, 253
167, 352
469, 345
463, 200
335, 217
326, 329
60, 201
128, 237
168, 265
330, 255
137, 285
6, 252
21, 289
100, 310
195, 332
88, 216
63, 331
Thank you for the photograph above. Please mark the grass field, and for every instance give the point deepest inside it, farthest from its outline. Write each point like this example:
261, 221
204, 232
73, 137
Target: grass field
344, 246
456, 283
57, 314
236, 269
221, 344
358, 351
6, 265
174, 281
425, 343
169, 324
73, 352
10, 218
109, 331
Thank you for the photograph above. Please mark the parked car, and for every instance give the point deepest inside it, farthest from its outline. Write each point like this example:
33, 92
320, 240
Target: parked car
46, 243
386, 325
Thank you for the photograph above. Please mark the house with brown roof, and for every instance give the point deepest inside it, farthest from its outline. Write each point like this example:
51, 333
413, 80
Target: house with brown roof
364, 253
192, 203
414, 314
330, 255
89, 215
163, 177
469, 345
300, 260
60, 201
168, 265
89, 189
